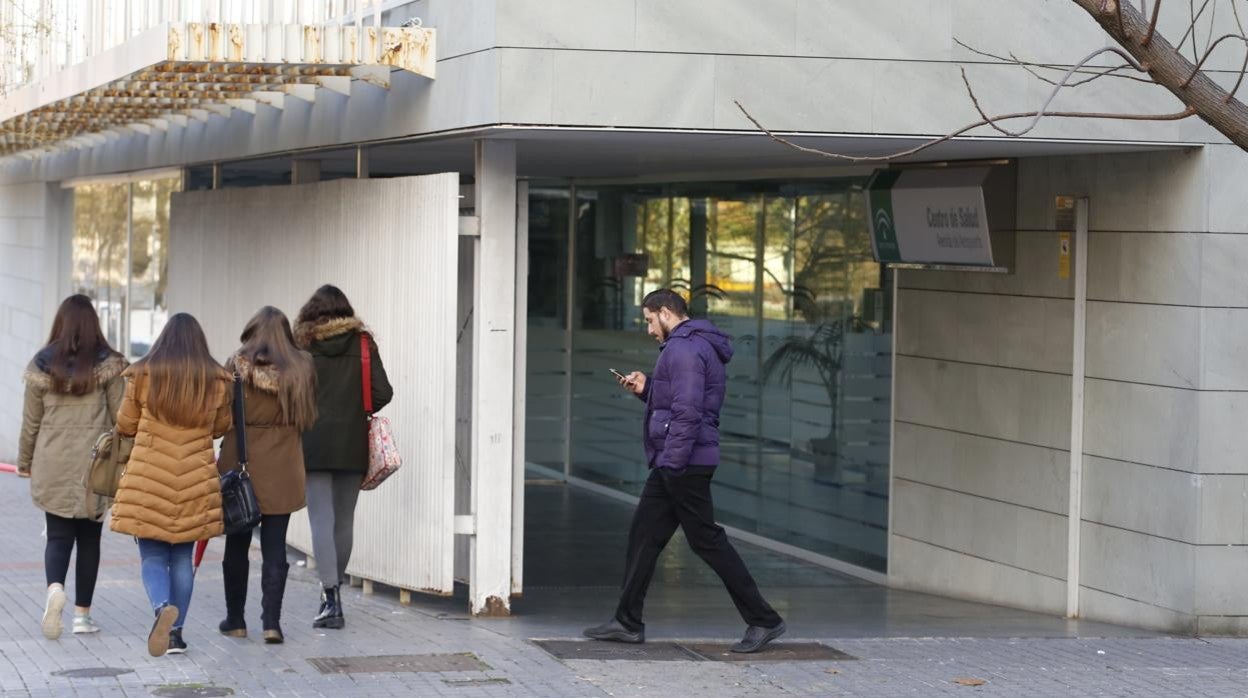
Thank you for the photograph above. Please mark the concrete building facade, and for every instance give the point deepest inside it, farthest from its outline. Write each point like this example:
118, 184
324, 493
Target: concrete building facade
932, 448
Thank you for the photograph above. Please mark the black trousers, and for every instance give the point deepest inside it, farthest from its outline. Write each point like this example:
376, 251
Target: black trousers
272, 541
670, 500
63, 535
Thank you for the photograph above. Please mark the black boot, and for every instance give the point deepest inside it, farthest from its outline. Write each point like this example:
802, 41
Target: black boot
330, 614
235, 577
272, 589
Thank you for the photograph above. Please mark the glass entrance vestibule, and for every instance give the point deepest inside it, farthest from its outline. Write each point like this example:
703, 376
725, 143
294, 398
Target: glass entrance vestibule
786, 268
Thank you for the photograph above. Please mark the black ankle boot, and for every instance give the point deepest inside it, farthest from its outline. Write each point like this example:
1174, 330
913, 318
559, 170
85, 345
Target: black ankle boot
235, 578
330, 615
273, 588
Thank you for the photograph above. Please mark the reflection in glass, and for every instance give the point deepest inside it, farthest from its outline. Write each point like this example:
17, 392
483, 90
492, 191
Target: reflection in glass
149, 262
109, 220
99, 266
787, 270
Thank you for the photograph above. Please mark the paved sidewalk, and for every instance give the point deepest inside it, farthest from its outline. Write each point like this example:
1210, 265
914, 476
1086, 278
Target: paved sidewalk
378, 625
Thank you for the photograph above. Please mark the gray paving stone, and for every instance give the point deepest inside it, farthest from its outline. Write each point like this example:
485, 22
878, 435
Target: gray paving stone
377, 625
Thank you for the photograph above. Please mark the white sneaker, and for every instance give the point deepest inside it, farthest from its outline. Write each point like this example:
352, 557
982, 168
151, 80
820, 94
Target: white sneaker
84, 624
52, 613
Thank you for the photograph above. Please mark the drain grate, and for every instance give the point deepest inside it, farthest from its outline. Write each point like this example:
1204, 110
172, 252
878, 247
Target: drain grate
775, 652
192, 690
97, 672
645, 652
399, 663
468, 683
690, 651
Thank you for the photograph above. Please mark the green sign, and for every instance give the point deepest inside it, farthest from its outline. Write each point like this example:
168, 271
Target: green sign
883, 222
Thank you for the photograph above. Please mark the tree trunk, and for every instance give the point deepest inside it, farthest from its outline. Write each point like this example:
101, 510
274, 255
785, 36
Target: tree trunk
1168, 68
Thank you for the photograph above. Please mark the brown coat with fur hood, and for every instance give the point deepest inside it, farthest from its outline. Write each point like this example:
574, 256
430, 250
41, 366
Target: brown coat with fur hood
274, 444
58, 431
170, 491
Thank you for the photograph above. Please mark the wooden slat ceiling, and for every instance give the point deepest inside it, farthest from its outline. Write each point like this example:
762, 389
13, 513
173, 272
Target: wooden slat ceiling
219, 68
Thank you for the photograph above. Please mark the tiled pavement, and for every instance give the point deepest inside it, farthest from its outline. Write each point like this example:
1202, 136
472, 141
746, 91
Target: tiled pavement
377, 625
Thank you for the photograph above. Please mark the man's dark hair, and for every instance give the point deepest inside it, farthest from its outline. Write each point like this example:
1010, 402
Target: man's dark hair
666, 298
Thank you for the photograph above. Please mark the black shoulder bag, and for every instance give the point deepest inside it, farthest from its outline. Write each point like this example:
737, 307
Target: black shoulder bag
239, 508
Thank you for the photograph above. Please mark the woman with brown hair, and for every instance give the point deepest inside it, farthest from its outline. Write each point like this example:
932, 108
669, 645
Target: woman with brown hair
177, 401
279, 396
73, 389
336, 447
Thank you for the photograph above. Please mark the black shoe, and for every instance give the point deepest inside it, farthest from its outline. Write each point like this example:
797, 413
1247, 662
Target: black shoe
235, 578
757, 638
273, 588
233, 627
176, 644
330, 613
613, 631
158, 638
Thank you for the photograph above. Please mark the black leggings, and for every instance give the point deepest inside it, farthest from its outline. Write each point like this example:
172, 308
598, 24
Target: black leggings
62, 535
272, 541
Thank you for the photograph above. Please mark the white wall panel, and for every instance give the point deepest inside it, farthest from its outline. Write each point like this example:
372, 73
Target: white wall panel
391, 245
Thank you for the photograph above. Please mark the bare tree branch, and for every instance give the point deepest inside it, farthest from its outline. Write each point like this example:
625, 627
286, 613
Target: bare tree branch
1243, 68
1170, 69
1028, 65
1213, 18
1191, 27
1152, 25
1176, 116
1052, 93
1208, 52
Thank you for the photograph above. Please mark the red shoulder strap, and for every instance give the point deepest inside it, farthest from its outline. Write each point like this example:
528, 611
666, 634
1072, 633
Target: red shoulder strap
366, 366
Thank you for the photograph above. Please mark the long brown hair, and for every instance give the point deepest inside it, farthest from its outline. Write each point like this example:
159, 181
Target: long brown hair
182, 375
328, 302
268, 341
76, 343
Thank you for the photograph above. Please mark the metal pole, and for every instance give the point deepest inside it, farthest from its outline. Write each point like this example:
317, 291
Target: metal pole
128, 267
570, 327
1075, 507
760, 260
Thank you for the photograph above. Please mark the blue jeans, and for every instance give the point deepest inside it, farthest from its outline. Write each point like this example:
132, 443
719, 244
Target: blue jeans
167, 575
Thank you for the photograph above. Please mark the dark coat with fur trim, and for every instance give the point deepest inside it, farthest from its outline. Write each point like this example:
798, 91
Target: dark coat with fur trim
338, 442
58, 432
274, 445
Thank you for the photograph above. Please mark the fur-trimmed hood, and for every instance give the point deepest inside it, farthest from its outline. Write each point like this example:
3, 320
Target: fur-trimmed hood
265, 377
308, 332
107, 367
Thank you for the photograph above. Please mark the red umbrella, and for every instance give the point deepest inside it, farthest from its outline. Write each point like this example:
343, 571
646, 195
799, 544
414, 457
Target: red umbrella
200, 547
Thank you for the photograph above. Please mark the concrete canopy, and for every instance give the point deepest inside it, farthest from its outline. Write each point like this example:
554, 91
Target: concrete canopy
177, 71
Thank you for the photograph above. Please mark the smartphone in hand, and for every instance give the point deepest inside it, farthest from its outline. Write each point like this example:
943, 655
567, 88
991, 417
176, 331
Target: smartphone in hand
617, 374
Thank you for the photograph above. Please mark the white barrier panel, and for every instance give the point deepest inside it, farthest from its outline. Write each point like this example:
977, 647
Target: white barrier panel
391, 246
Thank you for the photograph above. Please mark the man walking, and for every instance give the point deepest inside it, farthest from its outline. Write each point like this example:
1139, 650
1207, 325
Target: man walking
683, 397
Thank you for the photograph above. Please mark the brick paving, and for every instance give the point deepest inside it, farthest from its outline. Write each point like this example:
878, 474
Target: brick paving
378, 625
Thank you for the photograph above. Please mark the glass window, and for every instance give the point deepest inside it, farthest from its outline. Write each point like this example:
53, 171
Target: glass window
99, 266
121, 243
149, 262
787, 270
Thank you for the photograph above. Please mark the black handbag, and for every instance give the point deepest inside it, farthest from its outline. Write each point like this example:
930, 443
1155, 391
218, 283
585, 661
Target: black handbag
239, 508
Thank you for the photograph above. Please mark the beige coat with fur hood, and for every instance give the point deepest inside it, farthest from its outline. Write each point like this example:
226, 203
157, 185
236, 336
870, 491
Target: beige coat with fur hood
58, 431
274, 446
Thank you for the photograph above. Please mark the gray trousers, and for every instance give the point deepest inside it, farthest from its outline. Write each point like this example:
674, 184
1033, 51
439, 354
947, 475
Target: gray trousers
331, 513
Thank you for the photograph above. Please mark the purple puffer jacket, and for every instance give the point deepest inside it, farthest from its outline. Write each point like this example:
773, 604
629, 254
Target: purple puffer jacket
684, 395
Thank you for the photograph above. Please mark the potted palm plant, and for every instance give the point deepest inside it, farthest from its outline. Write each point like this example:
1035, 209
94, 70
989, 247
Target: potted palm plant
822, 350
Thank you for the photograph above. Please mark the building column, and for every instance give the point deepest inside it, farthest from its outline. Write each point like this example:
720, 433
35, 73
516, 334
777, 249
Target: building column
493, 375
